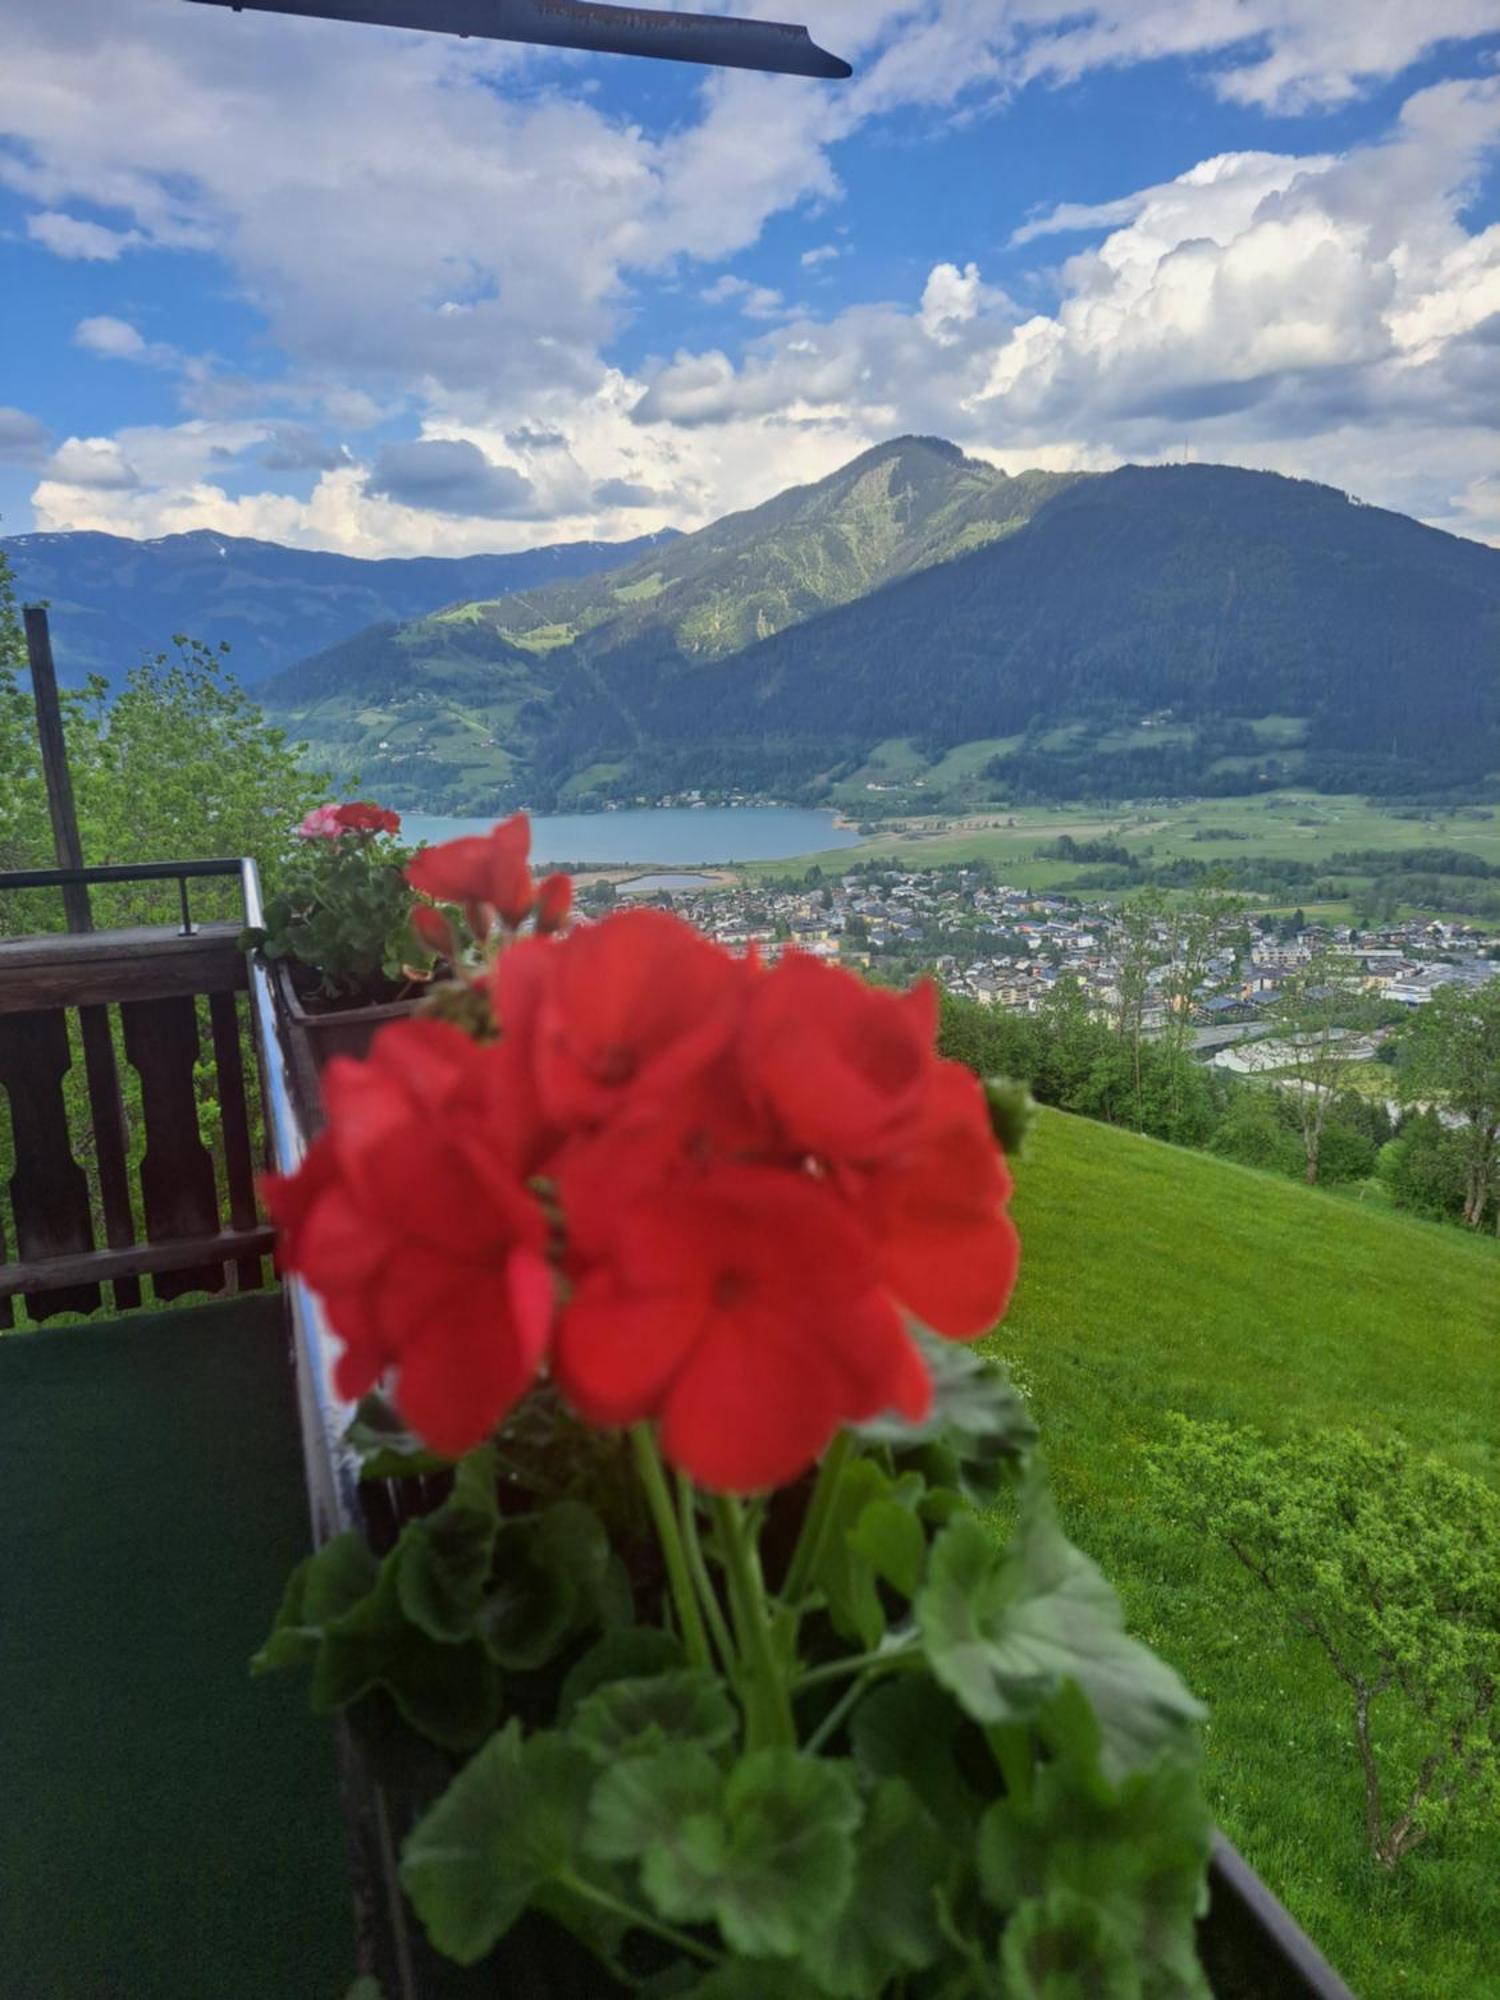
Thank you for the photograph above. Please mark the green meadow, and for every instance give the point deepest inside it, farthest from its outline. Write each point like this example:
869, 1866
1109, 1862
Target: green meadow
1301, 826
1156, 1279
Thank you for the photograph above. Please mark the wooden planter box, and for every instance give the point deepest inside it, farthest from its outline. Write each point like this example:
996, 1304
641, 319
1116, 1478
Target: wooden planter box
311, 1038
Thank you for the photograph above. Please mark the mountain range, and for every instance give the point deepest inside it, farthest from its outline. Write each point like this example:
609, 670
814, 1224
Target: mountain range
115, 602
917, 625
1151, 630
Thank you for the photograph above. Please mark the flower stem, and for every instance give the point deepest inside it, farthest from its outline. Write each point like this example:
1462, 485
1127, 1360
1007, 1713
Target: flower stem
638, 1919
687, 1516
817, 1520
842, 1709
768, 1707
654, 1479
883, 1660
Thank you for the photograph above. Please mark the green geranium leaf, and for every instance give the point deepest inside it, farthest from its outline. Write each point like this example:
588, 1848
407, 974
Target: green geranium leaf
1135, 1853
890, 1923
844, 1574
629, 1654
768, 1855
386, 1448
1058, 1949
788, 1852
629, 1718
978, 1422
319, 1590
550, 1573
910, 1729
642, 1807
889, 1537
449, 1692
1005, 1629
511, 1822
443, 1559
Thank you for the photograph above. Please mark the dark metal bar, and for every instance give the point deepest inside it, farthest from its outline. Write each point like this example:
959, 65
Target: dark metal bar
115, 871
774, 46
1249, 1944
49, 729
187, 915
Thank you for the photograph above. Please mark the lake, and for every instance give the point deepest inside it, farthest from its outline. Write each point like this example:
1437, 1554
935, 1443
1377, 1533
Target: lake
664, 835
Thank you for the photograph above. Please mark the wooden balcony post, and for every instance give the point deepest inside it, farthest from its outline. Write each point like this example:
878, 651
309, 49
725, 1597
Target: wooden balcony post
49, 729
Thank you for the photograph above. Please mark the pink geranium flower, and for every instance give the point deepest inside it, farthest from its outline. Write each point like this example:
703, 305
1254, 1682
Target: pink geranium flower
322, 823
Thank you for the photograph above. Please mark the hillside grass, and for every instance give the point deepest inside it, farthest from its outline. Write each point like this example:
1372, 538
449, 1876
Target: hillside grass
1157, 1279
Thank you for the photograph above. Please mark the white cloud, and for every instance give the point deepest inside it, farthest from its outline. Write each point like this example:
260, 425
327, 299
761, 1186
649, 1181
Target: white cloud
24, 439
1330, 316
420, 236
754, 301
114, 339
93, 465
75, 237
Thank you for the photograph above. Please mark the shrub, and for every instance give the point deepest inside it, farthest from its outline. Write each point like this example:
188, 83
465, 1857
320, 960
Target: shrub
1390, 1563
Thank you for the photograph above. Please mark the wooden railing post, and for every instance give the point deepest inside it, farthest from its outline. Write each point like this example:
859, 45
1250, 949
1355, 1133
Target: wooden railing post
54, 745
106, 1104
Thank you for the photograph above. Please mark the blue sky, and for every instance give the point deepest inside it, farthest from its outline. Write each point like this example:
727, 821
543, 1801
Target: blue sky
400, 294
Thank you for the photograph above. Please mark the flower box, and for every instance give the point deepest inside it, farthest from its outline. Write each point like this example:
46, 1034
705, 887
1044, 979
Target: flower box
694, 1600
312, 1036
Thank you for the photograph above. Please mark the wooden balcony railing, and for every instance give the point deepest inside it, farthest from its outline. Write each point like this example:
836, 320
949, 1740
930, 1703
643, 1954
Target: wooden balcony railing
134, 1163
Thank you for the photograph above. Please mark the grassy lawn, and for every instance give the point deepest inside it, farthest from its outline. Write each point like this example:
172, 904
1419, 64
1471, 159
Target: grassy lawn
1156, 1279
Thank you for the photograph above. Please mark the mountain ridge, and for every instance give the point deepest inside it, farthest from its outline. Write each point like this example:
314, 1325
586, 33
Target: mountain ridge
116, 600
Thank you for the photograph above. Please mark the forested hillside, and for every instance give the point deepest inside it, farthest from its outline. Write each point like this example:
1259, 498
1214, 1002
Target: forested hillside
1151, 630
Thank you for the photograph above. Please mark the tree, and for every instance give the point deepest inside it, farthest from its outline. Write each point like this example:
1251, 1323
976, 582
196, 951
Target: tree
1451, 1052
181, 765
1205, 928
1141, 923
1316, 1016
184, 765
1390, 1564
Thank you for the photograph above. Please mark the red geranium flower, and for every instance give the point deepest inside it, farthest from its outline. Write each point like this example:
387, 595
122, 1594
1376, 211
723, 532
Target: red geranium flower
743, 1311
948, 1250
411, 1219
629, 1009
841, 1068
554, 900
360, 816
483, 872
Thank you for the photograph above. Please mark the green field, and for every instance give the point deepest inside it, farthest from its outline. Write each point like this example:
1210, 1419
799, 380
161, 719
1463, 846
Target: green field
1156, 1279
1303, 826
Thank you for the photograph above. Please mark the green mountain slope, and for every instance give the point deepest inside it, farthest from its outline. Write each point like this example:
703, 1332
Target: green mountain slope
115, 601
893, 511
1155, 1279
410, 708
1152, 630
1146, 620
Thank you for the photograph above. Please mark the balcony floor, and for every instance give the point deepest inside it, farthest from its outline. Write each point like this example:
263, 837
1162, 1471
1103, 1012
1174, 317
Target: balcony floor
170, 1827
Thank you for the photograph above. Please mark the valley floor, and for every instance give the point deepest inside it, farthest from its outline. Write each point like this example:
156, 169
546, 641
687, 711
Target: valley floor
1157, 1279
1298, 826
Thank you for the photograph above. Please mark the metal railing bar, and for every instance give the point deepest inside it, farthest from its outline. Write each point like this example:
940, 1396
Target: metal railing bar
118, 871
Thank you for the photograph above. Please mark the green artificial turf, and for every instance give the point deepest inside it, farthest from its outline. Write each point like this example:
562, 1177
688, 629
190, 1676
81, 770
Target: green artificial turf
171, 1827
1157, 1279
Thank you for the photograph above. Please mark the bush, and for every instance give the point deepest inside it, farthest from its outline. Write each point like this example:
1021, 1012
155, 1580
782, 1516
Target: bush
1254, 1132
1426, 1169
1390, 1563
